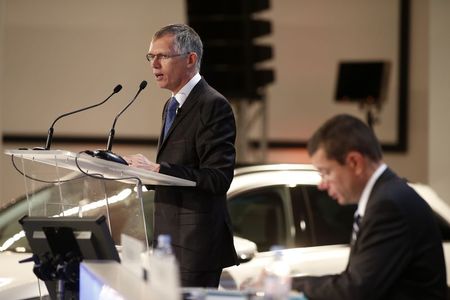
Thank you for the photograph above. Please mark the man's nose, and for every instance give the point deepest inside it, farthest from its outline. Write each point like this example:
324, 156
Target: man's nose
156, 63
323, 185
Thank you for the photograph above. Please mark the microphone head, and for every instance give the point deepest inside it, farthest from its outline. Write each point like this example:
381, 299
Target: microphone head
117, 88
143, 85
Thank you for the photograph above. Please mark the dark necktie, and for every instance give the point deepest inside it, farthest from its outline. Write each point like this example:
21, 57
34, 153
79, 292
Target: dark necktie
356, 224
170, 114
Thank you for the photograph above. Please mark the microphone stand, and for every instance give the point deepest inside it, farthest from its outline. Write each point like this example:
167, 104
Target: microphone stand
108, 154
50, 130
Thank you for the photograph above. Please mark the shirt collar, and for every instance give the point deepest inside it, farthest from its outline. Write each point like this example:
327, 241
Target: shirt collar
368, 189
182, 94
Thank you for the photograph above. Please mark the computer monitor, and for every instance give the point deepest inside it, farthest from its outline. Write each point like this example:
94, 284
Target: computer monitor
60, 244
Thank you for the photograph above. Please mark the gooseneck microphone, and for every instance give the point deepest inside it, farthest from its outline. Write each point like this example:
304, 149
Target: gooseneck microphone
108, 154
50, 130
113, 131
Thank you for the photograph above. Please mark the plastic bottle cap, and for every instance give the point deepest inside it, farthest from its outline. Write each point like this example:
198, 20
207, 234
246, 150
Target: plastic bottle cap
276, 248
164, 239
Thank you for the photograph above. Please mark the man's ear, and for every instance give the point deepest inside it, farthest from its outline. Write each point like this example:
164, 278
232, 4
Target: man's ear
355, 160
192, 57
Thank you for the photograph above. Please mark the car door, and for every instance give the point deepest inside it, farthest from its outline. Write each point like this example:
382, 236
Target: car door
262, 215
318, 219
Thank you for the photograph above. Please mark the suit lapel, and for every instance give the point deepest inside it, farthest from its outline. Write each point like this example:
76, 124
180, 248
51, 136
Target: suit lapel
188, 105
161, 133
386, 175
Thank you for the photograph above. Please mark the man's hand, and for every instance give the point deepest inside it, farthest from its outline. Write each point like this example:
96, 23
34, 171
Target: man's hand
140, 161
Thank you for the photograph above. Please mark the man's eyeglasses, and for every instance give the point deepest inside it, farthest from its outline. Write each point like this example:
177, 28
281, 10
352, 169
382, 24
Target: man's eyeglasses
153, 57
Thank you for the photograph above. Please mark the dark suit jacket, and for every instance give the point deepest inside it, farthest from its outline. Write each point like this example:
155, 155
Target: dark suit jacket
199, 147
397, 255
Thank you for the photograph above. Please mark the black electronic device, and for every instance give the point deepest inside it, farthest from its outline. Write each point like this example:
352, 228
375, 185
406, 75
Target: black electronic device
360, 81
60, 244
364, 83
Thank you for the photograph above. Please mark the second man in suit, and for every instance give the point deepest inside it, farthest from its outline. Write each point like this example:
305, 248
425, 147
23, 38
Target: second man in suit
396, 249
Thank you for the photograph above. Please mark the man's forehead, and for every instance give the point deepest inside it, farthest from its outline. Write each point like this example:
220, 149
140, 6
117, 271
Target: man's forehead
319, 155
161, 43
320, 159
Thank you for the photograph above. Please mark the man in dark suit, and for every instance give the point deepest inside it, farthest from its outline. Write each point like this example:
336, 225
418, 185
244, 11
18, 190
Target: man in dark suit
396, 250
196, 143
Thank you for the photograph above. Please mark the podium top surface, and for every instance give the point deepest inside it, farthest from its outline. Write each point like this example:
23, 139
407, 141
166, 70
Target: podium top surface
92, 165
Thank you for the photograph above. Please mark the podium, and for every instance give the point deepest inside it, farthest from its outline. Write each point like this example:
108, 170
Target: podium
82, 185
61, 183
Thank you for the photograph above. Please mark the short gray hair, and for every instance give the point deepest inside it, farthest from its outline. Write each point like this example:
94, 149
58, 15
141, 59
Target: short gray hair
186, 40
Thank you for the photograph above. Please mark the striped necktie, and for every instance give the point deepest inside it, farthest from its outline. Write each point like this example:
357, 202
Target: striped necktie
356, 224
170, 114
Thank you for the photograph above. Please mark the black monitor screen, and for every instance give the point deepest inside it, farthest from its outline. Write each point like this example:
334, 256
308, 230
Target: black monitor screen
62, 242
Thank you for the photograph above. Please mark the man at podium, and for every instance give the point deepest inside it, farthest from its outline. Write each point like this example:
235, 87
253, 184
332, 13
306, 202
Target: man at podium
196, 143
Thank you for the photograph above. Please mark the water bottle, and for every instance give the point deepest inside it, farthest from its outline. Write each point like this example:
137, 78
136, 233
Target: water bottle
277, 280
164, 271
163, 246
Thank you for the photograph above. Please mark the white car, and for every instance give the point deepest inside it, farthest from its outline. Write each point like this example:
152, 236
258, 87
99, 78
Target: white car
269, 205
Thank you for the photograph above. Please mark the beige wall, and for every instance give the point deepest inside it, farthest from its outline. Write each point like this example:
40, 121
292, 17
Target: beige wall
439, 94
61, 55
2, 15
414, 163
